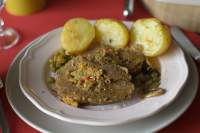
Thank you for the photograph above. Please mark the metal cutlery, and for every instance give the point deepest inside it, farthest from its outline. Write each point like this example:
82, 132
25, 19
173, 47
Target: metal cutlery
3, 122
1, 83
185, 43
128, 7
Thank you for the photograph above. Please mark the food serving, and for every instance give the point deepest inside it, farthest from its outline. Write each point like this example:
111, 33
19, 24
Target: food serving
103, 63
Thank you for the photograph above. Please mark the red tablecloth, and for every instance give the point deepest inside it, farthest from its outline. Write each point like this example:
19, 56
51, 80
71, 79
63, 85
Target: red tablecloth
55, 15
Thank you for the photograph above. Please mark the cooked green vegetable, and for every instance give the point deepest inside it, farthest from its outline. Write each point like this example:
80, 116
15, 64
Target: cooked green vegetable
154, 92
58, 60
147, 82
51, 80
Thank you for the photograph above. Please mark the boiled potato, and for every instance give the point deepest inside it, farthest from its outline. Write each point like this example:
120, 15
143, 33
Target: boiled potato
77, 35
111, 32
151, 35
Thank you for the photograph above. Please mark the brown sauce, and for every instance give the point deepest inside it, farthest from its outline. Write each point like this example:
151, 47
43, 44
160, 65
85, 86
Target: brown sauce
154, 63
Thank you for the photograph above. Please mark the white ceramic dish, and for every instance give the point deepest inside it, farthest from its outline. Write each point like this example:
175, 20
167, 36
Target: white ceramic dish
47, 124
174, 72
182, 2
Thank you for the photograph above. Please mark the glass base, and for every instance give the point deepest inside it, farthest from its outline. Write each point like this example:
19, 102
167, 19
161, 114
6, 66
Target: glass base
8, 38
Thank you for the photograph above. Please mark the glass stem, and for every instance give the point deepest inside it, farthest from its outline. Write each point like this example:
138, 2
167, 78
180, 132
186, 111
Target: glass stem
1, 29
1, 25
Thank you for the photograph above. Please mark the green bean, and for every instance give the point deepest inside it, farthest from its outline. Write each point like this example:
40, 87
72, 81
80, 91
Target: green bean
51, 80
58, 59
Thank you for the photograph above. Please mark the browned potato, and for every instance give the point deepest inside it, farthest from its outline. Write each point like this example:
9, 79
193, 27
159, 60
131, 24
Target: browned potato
111, 32
77, 35
151, 35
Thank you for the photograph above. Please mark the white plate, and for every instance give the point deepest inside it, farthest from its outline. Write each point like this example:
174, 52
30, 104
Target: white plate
182, 2
45, 123
174, 72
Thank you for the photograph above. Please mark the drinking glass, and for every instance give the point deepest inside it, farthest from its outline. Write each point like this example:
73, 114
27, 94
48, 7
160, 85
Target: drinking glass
9, 37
